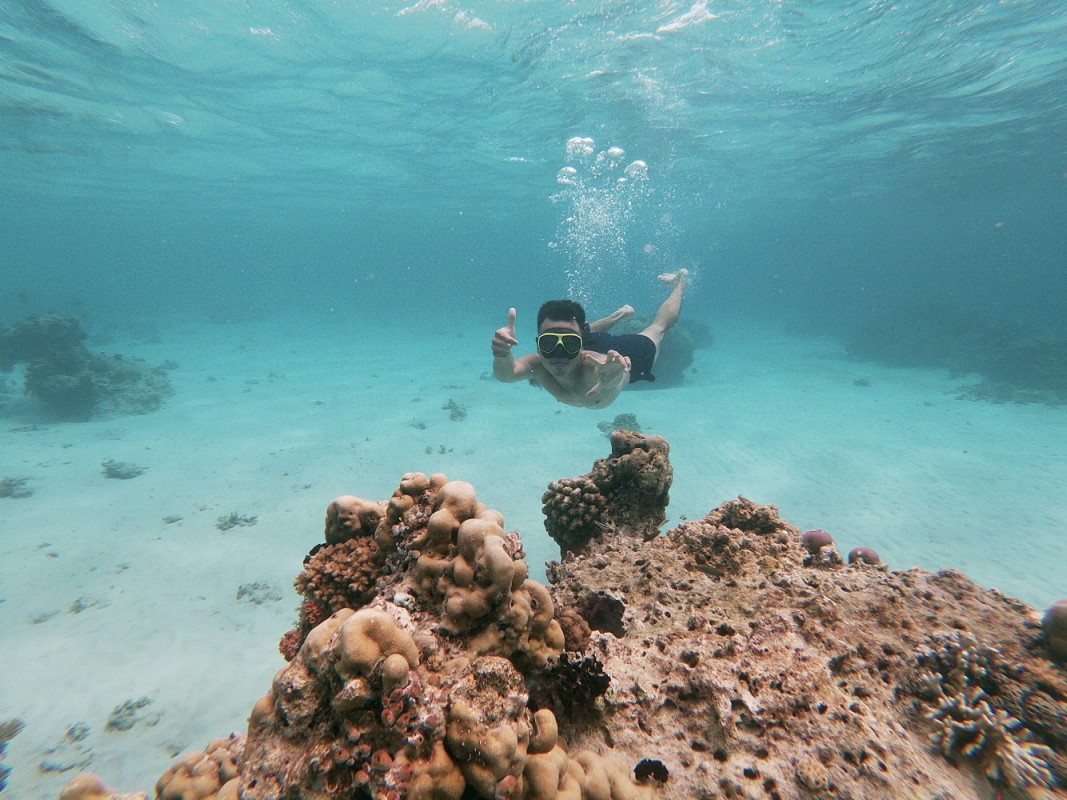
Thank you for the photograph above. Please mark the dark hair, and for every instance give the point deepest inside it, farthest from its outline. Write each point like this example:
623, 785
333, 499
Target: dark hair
562, 309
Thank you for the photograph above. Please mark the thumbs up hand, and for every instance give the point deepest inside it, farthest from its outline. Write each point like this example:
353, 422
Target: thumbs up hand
504, 338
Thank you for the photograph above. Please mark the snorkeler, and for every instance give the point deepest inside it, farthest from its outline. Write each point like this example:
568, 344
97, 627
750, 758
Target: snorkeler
582, 364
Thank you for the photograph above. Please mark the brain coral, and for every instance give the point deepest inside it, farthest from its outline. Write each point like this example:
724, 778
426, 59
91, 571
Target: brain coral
417, 688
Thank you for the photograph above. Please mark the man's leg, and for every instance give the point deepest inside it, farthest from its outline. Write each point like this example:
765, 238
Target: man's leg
668, 311
607, 323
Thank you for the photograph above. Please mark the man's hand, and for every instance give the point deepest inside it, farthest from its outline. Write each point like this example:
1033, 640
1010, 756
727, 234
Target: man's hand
504, 338
611, 375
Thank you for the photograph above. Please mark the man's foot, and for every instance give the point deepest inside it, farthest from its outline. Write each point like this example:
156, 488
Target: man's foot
612, 319
675, 278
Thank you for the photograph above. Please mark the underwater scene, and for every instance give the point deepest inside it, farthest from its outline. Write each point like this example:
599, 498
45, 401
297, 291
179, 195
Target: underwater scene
462, 399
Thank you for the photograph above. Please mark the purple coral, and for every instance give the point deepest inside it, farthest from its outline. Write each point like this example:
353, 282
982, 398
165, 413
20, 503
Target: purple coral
815, 540
1054, 624
864, 555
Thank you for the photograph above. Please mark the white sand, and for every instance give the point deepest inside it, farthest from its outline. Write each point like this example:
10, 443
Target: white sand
275, 420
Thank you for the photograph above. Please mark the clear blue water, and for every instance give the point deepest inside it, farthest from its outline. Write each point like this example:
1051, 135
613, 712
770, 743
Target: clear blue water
810, 160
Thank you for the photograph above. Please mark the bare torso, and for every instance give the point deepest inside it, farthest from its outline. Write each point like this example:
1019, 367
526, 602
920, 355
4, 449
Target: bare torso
571, 382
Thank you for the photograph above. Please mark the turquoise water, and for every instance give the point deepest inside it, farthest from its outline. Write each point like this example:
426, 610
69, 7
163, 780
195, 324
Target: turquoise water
810, 161
320, 211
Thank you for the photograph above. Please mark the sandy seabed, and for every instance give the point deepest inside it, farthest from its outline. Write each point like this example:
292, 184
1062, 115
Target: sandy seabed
135, 592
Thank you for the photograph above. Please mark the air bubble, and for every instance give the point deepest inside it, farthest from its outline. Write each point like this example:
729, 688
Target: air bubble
579, 146
637, 171
566, 176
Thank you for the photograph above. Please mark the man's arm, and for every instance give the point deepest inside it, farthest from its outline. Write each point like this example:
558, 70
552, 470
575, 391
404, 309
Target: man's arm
510, 369
506, 367
612, 376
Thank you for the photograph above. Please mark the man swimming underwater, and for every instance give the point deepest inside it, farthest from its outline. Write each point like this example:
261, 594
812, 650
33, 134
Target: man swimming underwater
582, 364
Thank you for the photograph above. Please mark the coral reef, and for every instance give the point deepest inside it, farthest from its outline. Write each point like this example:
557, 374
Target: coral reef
750, 663
415, 686
90, 787
70, 381
627, 491
729, 658
209, 775
1019, 364
341, 572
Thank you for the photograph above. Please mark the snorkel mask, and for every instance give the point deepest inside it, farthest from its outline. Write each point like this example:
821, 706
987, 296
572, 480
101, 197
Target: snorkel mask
553, 344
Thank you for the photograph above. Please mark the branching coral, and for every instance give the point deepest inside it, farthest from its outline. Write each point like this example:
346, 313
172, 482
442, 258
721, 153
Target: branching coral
335, 576
957, 677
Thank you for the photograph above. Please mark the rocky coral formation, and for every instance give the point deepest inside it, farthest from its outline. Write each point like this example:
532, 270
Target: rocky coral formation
751, 667
415, 684
90, 787
732, 657
1020, 363
211, 774
73, 383
626, 492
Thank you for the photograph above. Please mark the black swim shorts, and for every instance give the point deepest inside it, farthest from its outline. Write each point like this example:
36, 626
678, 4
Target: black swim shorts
640, 349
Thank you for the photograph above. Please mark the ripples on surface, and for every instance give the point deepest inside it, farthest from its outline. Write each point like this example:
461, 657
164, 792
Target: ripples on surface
322, 101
